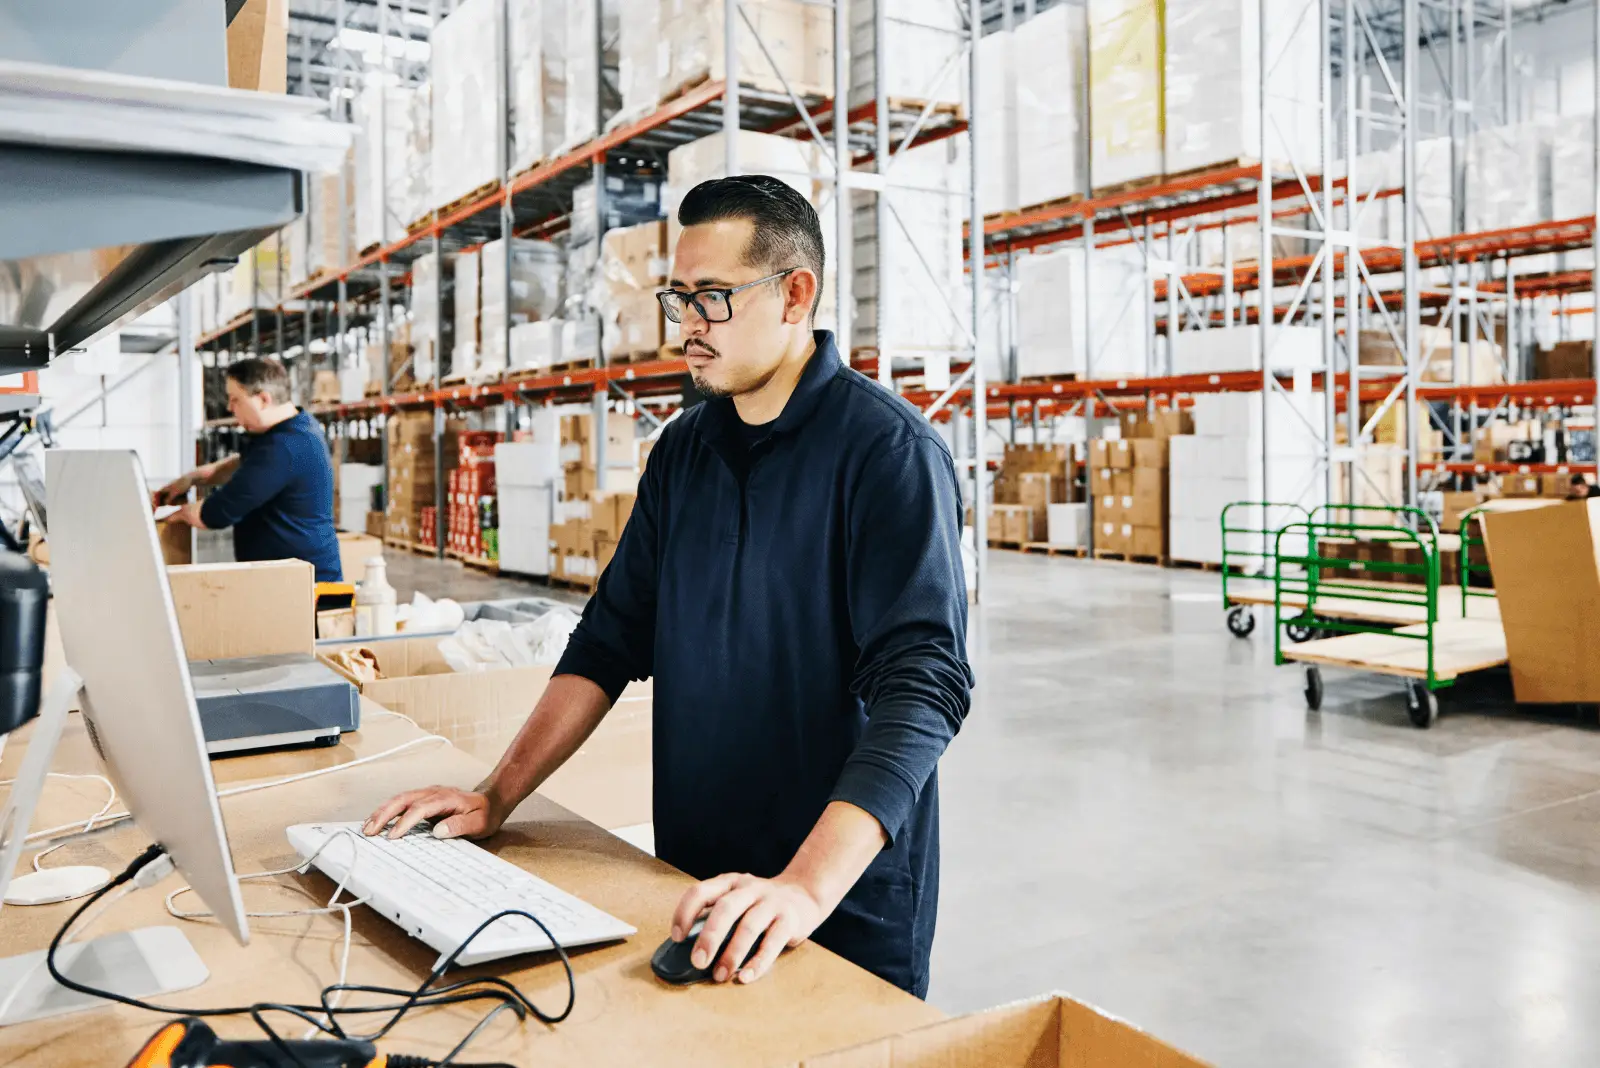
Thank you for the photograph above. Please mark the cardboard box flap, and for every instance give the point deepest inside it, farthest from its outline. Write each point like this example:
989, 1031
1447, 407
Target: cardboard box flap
1546, 567
1050, 1032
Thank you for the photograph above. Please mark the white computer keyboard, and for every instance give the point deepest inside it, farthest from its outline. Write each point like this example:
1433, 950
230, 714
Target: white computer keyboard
440, 890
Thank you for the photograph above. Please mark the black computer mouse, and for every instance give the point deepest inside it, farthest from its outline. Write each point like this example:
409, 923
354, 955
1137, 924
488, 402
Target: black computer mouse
671, 960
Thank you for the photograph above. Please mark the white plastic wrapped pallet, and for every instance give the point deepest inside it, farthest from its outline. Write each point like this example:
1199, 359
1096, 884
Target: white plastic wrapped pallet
1049, 92
1223, 461
925, 310
465, 73
536, 272
1509, 176
525, 476
1572, 167
528, 91
355, 495
638, 51
1125, 70
924, 60
997, 123
798, 36
318, 240
1051, 310
536, 344
383, 163
1212, 86
468, 276
425, 339
1218, 351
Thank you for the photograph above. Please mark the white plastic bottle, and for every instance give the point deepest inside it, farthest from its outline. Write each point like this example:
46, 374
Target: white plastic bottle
375, 601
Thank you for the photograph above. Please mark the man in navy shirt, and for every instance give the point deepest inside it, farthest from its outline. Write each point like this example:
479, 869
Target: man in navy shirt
277, 492
791, 578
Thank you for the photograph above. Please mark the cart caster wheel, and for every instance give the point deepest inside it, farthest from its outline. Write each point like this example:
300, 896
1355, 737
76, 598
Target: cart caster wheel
1300, 630
1422, 705
1314, 688
1241, 621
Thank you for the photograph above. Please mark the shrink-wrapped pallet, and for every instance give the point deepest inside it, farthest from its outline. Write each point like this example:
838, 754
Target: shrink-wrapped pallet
1049, 78
465, 124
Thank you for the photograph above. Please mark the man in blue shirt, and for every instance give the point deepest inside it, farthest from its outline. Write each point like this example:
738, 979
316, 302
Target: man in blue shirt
277, 492
791, 578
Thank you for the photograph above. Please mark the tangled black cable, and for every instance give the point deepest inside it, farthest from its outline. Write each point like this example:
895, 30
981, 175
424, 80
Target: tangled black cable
487, 987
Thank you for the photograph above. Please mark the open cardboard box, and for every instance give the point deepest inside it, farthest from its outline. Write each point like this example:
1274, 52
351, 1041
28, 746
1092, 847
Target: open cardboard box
1546, 566
1050, 1032
607, 781
462, 706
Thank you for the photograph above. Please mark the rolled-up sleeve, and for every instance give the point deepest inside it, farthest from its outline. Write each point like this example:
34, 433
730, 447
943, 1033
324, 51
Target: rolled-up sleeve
615, 641
908, 614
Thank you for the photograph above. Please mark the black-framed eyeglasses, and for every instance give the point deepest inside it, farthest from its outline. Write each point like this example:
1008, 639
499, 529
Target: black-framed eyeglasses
712, 305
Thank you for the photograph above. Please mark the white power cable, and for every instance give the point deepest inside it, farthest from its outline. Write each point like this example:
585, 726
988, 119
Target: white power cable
51, 833
333, 905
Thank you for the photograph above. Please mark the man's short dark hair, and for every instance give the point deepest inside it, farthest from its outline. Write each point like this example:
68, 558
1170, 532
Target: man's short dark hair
1577, 480
787, 230
262, 376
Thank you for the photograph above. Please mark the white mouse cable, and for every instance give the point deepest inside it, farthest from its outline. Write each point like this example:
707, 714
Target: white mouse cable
333, 905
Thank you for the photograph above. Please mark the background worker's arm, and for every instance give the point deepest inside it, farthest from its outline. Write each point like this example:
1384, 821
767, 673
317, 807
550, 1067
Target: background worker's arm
614, 643
212, 474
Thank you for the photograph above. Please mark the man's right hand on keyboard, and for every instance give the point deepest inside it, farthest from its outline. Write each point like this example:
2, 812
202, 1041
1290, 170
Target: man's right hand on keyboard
455, 813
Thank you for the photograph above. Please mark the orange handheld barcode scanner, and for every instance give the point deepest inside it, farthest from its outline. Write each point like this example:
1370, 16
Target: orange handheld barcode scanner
190, 1043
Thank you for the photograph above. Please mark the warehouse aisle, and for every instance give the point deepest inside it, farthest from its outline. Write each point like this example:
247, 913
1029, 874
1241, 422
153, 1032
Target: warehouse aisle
1141, 812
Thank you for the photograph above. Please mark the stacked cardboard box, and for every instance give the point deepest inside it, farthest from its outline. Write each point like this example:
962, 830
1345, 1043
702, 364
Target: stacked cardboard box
1130, 483
633, 266
411, 478
1196, 352
1031, 479
589, 508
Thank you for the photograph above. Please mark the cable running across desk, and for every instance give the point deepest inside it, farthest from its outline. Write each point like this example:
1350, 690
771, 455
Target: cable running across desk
424, 996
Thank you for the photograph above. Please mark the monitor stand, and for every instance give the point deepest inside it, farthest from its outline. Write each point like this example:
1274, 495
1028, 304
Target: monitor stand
143, 963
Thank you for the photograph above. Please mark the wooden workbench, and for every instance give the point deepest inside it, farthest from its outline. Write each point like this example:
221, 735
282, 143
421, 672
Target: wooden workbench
811, 1002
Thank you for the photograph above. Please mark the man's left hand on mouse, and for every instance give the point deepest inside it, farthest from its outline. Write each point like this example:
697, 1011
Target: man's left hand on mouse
783, 910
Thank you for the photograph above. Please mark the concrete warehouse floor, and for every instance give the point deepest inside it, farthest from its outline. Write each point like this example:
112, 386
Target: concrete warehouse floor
1141, 812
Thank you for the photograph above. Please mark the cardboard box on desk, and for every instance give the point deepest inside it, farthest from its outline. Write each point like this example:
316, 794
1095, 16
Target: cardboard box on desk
1049, 1032
1545, 559
257, 609
418, 682
354, 552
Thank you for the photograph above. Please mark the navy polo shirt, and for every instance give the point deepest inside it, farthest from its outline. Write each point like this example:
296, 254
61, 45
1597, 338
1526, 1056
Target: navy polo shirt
280, 500
799, 600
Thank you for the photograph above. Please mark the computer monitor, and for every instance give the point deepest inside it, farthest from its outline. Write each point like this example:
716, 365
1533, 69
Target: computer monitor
120, 634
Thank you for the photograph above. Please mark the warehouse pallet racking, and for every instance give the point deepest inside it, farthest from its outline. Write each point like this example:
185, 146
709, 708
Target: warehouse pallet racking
1337, 284
864, 130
